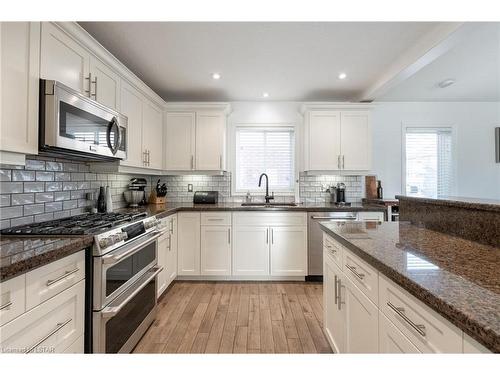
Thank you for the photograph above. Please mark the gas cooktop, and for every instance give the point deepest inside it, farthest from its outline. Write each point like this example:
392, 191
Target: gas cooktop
75, 225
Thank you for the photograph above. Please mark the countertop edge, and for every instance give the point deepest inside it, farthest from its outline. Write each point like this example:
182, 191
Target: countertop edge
450, 202
446, 310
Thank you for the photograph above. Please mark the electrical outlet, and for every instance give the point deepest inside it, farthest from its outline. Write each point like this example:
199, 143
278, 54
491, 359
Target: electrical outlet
190, 188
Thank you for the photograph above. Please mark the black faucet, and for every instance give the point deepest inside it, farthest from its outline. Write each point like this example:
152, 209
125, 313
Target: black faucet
267, 197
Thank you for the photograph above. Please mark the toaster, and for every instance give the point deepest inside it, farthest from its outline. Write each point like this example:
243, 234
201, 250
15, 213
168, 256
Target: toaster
206, 197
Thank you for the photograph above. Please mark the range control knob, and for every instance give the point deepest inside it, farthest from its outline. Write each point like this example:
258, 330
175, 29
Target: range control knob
115, 238
105, 242
123, 236
151, 223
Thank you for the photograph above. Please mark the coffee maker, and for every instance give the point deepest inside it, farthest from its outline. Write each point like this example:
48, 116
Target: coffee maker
337, 194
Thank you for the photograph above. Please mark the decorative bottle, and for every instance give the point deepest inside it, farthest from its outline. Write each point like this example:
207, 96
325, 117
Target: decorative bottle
101, 201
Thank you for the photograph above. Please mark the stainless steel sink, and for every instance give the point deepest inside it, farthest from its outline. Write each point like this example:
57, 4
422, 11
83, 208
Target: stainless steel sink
269, 204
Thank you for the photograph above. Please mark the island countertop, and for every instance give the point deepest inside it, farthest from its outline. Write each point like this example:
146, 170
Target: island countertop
459, 278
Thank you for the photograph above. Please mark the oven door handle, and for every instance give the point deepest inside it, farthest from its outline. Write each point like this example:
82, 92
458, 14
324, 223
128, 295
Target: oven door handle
333, 218
110, 311
131, 248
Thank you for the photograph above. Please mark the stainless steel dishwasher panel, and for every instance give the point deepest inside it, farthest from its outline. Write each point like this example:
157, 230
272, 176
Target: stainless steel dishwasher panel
315, 237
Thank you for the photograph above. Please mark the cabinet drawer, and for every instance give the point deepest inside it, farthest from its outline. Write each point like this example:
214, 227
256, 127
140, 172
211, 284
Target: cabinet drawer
47, 281
364, 276
12, 298
270, 218
216, 218
332, 249
77, 347
50, 327
391, 339
425, 328
370, 216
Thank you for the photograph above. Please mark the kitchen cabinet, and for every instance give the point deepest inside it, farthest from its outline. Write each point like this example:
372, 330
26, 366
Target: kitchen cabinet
152, 135
251, 250
188, 244
167, 253
337, 139
288, 257
171, 260
471, 346
12, 298
63, 59
370, 216
392, 340
179, 141
210, 141
162, 262
131, 106
19, 80
216, 250
333, 315
104, 84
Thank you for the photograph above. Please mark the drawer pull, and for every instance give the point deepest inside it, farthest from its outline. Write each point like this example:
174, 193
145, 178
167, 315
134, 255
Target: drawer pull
420, 328
66, 273
3, 307
216, 219
356, 273
53, 332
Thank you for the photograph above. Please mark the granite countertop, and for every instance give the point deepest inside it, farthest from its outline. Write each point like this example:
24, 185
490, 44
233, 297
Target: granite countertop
463, 202
457, 278
22, 254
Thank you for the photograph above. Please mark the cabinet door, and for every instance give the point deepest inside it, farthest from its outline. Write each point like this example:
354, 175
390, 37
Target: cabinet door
288, 251
333, 316
216, 250
210, 141
391, 339
63, 59
324, 140
356, 140
105, 84
361, 319
19, 77
131, 106
162, 262
172, 250
152, 135
188, 243
179, 141
251, 250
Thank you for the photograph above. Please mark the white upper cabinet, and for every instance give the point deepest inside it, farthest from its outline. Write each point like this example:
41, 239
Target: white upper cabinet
355, 140
19, 75
152, 135
63, 59
337, 138
179, 141
210, 140
131, 106
324, 140
105, 84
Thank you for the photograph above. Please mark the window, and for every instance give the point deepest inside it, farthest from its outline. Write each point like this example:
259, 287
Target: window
265, 150
429, 167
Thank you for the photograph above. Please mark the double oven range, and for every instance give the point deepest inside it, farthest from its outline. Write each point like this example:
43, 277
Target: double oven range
121, 275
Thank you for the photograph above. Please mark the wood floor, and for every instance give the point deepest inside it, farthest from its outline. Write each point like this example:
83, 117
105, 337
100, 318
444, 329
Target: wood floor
238, 317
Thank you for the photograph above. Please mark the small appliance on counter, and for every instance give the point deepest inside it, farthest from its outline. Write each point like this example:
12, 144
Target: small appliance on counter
206, 197
158, 195
136, 194
337, 194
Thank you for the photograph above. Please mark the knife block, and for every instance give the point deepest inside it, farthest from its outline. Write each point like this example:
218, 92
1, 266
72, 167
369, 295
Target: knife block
154, 199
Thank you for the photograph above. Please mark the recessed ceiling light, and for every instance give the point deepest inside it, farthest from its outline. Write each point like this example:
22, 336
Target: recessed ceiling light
265, 95
446, 83
216, 75
342, 76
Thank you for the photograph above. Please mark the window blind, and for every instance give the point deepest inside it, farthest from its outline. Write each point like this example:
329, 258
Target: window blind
265, 150
429, 168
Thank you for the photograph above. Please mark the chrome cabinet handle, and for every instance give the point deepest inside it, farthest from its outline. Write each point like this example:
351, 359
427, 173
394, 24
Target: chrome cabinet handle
338, 162
59, 326
66, 273
333, 218
356, 273
171, 226
272, 236
339, 301
215, 219
343, 164
229, 235
267, 235
89, 91
335, 288
169, 243
331, 248
220, 161
5, 305
95, 88
420, 328
192, 161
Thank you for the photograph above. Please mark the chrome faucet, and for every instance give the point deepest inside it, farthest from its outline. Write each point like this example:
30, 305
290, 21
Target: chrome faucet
267, 197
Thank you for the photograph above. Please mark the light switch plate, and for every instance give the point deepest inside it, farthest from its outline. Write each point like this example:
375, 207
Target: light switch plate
190, 188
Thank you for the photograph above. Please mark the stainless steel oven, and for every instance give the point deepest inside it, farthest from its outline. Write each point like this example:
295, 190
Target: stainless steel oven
77, 126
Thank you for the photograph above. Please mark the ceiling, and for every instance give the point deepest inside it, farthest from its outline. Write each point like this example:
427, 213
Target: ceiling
474, 65
290, 61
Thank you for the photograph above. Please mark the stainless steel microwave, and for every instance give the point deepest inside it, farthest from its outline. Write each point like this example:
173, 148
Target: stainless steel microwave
76, 126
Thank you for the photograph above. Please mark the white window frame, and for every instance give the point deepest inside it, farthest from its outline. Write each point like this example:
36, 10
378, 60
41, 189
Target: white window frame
232, 154
454, 151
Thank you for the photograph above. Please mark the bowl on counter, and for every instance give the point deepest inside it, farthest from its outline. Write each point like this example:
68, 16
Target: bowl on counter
133, 197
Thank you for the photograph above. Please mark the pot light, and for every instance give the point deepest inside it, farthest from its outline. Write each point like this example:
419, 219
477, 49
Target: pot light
216, 75
342, 76
265, 95
446, 83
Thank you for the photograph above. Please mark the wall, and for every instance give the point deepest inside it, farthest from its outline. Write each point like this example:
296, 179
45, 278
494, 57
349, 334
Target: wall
477, 173
48, 188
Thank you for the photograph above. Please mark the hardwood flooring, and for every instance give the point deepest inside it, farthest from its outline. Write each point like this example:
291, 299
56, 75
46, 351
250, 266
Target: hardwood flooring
238, 317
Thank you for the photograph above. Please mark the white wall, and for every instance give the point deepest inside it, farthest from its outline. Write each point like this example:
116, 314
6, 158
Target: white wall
477, 173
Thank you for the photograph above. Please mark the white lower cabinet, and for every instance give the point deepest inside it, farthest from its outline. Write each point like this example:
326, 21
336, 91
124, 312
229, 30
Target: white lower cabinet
333, 315
167, 253
12, 298
216, 250
391, 340
171, 260
162, 262
251, 251
50, 327
288, 257
471, 346
188, 244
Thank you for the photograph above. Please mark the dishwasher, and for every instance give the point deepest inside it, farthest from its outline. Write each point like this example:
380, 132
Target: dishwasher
315, 239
